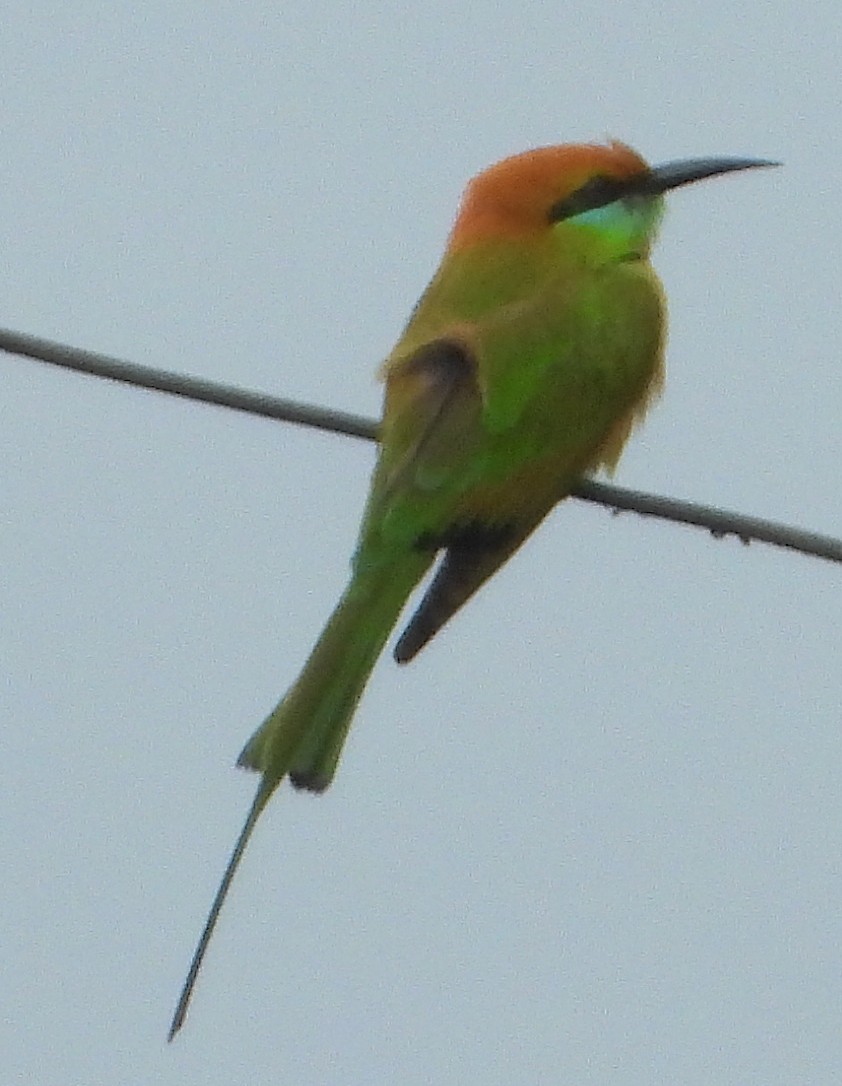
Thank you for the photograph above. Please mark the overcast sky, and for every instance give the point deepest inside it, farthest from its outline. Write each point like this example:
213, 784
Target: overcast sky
593, 834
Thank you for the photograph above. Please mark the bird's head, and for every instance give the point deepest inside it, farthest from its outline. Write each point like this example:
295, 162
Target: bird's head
609, 192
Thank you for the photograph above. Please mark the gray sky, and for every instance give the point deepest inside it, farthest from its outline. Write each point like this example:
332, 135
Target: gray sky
593, 834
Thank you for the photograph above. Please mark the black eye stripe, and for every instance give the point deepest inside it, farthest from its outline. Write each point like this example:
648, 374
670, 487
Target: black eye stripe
596, 192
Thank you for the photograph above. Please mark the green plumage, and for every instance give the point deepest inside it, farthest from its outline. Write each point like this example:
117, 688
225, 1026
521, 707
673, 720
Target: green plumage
303, 737
533, 352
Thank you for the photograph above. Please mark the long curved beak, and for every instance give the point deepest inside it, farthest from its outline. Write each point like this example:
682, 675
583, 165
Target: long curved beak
672, 174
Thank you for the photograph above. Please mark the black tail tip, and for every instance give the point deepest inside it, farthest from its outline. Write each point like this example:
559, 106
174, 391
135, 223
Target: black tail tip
309, 782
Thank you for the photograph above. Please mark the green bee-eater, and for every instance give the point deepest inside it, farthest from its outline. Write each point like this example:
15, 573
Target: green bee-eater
531, 356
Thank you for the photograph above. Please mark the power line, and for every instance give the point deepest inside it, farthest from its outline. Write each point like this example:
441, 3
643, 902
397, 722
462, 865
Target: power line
718, 522
191, 388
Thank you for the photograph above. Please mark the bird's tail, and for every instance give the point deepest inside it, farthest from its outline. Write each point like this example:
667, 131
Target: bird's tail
304, 735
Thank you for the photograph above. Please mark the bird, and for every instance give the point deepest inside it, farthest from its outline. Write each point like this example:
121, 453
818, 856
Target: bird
534, 352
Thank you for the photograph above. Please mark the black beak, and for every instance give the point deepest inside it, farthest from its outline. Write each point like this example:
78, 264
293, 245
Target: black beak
601, 190
672, 174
